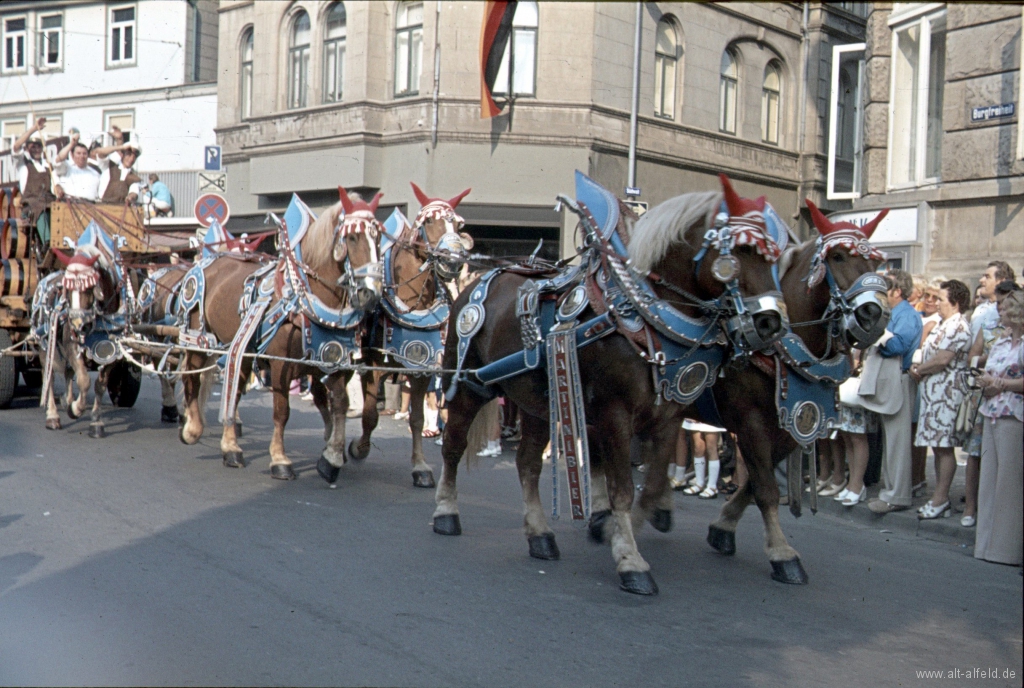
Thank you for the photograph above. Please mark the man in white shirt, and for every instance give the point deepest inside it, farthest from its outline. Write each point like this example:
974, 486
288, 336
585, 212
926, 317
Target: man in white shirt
118, 181
34, 179
77, 178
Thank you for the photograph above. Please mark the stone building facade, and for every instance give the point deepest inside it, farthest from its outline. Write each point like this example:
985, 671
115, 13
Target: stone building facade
942, 135
730, 87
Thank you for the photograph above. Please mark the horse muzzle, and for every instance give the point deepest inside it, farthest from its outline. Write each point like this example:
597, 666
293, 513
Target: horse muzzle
449, 256
761, 322
365, 286
865, 311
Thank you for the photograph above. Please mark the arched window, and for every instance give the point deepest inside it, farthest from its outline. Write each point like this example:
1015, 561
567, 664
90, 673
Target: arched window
666, 55
771, 93
245, 92
408, 48
521, 53
298, 61
334, 53
727, 93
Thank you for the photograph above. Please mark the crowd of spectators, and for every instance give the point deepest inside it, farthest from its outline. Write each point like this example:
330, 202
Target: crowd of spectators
945, 376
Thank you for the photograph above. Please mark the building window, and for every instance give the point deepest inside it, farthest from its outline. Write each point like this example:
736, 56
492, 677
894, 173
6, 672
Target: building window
666, 56
334, 53
123, 120
12, 129
197, 42
918, 76
727, 93
521, 54
245, 95
122, 36
49, 41
845, 150
298, 61
408, 48
15, 38
771, 93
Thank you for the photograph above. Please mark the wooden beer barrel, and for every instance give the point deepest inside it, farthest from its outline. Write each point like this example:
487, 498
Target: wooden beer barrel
19, 277
15, 241
7, 203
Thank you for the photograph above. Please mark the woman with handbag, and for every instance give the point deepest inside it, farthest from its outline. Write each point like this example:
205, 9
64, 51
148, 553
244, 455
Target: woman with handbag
1000, 494
945, 353
855, 422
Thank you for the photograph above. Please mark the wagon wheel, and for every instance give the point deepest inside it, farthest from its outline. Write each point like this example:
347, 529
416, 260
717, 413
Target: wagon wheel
123, 384
8, 372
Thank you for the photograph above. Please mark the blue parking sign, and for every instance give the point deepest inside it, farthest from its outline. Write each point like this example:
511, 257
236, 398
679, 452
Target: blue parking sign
211, 158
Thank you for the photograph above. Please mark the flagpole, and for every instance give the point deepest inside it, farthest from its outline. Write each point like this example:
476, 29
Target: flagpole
636, 95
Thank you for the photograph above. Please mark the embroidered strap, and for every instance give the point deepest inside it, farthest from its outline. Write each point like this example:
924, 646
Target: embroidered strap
239, 344
568, 421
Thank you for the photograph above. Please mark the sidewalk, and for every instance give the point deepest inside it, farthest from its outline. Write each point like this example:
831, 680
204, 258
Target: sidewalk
941, 529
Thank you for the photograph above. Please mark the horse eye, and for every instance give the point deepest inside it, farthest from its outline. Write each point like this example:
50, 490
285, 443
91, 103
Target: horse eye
838, 257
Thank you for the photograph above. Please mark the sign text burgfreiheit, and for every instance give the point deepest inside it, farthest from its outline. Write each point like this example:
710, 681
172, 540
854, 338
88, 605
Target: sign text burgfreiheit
987, 112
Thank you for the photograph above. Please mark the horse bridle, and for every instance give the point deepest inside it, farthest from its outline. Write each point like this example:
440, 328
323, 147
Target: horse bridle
354, 280
755, 320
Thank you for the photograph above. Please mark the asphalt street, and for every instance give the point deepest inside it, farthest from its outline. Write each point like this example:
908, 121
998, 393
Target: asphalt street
135, 560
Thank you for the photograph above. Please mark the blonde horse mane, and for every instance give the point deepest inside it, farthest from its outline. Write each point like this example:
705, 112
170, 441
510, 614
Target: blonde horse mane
665, 224
318, 244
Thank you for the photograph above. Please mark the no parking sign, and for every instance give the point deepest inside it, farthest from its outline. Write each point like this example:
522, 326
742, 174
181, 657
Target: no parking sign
210, 207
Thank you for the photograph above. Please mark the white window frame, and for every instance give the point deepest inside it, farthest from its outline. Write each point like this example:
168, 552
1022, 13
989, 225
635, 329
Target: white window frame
413, 66
665, 107
245, 72
723, 119
923, 16
334, 79
1020, 92
7, 140
298, 65
858, 119
42, 40
14, 36
129, 132
521, 32
120, 27
772, 138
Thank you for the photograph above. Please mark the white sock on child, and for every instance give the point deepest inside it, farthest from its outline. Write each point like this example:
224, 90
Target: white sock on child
713, 467
700, 465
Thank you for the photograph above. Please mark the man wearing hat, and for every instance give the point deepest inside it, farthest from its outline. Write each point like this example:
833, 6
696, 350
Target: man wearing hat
118, 181
34, 179
76, 177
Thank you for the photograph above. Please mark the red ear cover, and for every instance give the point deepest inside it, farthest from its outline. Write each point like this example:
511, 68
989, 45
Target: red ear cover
420, 196
737, 205
346, 202
62, 258
454, 202
870, 227
375, 201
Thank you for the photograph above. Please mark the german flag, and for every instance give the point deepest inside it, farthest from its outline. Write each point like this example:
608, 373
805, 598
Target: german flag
493, 42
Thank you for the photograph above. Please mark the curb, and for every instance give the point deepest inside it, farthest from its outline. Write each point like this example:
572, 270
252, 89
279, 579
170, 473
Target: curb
946, 530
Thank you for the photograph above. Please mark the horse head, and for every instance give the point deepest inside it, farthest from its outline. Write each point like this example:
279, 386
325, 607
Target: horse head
841, 283
88, 287
439, 228
356, 251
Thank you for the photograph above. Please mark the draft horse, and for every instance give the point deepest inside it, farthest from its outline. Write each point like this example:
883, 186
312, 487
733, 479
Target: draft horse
617, 376
836, 302
408, 326
328, 272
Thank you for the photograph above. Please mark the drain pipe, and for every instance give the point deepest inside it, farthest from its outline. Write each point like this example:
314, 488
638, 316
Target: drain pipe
804, 55
636, 95
437, 73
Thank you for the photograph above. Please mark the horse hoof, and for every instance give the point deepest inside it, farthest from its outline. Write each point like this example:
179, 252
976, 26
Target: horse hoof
596, 526
447, 524
354, 453
71, 412
661, 519
423, 479
327, 470
53, 424
543, 547
96, 431
168, 414
790, 571
238, 429
233, 459
724, 541
638, 582
282, 471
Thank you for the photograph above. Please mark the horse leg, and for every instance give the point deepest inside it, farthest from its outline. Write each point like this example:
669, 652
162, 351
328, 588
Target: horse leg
168, 406
52, 415
230, 452
323, 405
96, 429
192, 386
599, 527
360, 449
461, 411
785, 561
77, 407
634, 572
722, 533
530, 465
333, 456
422, 475
656, 501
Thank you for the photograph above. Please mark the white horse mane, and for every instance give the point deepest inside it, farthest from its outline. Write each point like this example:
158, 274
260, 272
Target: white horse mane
666, 223
318, 244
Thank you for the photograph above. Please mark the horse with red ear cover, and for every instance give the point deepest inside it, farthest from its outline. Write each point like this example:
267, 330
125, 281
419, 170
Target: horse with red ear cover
826, 227
426, 200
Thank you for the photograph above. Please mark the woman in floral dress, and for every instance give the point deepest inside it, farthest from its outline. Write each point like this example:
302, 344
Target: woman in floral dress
945, 352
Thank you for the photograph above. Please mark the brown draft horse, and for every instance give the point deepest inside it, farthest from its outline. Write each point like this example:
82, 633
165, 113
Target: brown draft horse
620, 398
90, 290
331, 248
745, 397
413, 286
